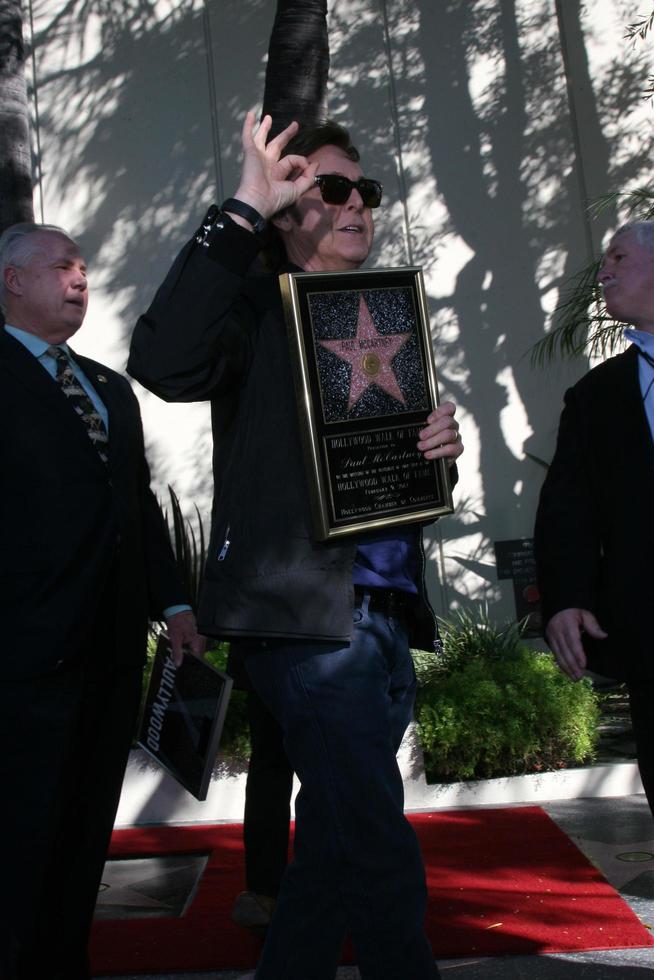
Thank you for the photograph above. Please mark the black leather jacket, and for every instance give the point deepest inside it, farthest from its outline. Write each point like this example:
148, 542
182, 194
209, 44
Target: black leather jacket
215, 332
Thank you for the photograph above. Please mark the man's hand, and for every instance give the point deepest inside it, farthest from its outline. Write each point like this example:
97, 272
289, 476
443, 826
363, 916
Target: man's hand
269, 183
440, 438
184, 637
563, 634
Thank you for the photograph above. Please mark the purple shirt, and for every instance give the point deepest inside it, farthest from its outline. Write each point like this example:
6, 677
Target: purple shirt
388, 559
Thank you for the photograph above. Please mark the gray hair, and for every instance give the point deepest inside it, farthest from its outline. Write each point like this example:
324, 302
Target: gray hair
643, 233
17, 247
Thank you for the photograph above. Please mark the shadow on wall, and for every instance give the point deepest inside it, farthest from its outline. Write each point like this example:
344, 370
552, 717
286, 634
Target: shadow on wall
141, 106
483, 111
128, 128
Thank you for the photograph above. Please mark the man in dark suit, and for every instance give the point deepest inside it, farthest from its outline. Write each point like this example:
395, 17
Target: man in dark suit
594, 535
85, 561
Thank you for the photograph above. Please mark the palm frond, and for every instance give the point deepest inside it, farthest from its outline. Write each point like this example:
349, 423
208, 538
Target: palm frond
467, 635
640, 28
190, 552
581, 324
538, 460
638, 203
581, 307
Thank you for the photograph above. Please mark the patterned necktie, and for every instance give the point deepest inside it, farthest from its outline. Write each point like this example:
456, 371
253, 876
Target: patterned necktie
80, 401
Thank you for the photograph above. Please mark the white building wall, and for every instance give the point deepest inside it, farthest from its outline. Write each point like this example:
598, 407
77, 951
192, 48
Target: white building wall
490, 123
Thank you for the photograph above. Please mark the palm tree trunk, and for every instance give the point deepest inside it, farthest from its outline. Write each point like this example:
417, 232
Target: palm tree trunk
15, 161
298, 64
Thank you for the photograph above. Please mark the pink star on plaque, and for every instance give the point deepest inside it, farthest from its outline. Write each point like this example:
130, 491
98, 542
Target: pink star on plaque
370, 354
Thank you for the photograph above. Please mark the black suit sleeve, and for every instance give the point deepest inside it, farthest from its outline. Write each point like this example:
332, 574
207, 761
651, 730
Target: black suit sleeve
568, 531
164, 584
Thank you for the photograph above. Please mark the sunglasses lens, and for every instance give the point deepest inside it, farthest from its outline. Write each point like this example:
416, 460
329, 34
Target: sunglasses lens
336, 189
370, 191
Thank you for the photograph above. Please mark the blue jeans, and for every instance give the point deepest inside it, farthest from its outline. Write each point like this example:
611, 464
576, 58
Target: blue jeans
356, 865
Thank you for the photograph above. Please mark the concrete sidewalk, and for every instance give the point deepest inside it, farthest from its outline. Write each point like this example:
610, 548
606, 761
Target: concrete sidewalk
617, 835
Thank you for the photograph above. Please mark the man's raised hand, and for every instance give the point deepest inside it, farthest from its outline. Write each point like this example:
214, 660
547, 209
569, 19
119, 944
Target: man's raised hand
270, 182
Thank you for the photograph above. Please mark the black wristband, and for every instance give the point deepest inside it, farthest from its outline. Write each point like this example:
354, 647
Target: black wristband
243, 210
242, 244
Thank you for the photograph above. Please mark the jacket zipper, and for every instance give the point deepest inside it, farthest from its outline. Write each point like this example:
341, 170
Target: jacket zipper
222, 554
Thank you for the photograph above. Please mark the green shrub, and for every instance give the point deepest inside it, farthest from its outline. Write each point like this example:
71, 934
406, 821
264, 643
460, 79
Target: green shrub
235, 739
491, 706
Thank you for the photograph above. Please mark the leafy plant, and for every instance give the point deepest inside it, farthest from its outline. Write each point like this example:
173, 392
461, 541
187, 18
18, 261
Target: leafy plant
190, 550
491, 706
640, 28
582, 324
464, 639
638, 31
235, 738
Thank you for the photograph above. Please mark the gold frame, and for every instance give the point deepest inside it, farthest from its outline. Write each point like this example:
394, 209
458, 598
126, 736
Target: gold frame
377, 413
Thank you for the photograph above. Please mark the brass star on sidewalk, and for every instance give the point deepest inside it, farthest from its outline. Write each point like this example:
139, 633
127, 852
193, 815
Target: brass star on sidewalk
370, 354
619, 863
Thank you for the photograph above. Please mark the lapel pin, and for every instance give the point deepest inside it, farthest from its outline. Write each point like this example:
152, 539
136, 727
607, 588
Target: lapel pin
102, 378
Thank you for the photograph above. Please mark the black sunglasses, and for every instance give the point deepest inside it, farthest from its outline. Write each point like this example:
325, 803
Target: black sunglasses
336, 189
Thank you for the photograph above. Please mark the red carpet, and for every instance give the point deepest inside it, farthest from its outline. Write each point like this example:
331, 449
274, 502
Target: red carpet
500, 881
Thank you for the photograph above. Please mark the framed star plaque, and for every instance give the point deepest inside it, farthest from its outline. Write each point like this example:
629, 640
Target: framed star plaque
366, 382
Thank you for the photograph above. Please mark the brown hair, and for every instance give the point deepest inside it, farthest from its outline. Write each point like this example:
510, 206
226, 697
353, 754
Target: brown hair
307, 140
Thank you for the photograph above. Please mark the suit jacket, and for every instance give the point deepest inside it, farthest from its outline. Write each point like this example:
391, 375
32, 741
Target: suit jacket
71, 526
594, 528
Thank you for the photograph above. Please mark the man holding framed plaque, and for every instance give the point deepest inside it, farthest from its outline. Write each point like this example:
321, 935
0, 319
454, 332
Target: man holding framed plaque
323, 624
